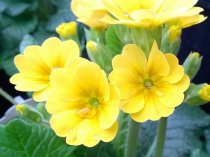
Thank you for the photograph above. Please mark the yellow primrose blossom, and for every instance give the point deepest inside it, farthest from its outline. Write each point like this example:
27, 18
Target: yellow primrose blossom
150, 88
67, 29
205, 93
146, 13
83, 104
89, 12
37, 62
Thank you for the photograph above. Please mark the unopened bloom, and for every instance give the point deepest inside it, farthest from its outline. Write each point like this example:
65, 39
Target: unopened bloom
150, 88
146, 13
83, 104
174, 33
67, 29
37, 62
205, 93
89, 12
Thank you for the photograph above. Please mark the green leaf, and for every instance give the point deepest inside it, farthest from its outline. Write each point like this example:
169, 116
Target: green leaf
119, 141
13, 34
184, 129
7, 62
113, 42
199, 153
27, 41
22, 139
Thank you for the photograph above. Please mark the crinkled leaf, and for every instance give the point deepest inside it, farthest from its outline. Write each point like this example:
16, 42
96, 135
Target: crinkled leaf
21, 139
7, 62
14, 33
27, 41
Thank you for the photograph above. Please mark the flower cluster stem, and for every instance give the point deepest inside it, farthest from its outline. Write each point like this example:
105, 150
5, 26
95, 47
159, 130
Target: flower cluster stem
161, 132
7, 96
132, 139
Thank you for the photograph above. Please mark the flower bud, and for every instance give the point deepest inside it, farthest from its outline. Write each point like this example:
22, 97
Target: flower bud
66, 30
192, 64
171, 39
205, 93
29, 113
197, 94
91, 46
174, 33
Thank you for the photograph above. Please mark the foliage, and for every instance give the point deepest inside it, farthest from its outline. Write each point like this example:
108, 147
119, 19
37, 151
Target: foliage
21, 20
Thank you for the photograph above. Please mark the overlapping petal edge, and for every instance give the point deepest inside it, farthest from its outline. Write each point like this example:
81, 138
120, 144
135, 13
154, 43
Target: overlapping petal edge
84, 106
37, 62
150, 88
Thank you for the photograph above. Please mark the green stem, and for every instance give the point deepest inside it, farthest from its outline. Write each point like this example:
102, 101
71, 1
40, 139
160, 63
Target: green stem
7, 96
161, 137
132, 139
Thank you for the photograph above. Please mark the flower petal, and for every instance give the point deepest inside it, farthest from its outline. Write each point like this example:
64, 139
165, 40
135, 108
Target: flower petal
64, 123
157, 63
109, 111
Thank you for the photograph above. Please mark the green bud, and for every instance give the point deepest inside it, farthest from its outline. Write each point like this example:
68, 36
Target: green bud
41, 108
194, 95
28, 112
192, 64
171, 39
100, 54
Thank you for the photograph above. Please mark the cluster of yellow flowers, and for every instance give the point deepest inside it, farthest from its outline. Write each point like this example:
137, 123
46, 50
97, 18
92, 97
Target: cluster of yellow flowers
137, 13
83, 101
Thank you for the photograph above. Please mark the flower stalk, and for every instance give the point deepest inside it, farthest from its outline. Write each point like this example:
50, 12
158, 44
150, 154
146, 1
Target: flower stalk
7, 96
161, 132
132, 139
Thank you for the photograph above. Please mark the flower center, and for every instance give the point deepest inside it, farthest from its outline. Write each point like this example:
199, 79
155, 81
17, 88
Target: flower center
86, 112
94, 102
148, 83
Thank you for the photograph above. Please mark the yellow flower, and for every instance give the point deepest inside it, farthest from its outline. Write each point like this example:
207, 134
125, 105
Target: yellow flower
89, 12
205, 93
67, 29
83, 104
37, 63
150, 89
146, 13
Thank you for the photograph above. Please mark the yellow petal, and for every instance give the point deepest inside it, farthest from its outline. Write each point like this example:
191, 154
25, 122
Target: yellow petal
133, 104
109, 110
53, 101
69, 49
132, 59
31, 67
157, 63
95, 80
65, 89
88, 132
149, 111
55, 53
64, 123
24, 83
176, 71
109, 134
127, 84
177, 6
42, 95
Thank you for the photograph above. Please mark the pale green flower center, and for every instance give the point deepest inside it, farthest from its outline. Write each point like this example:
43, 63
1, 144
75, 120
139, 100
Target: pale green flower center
148, 83
94, 102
